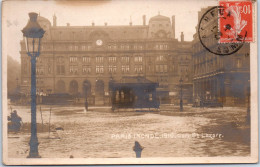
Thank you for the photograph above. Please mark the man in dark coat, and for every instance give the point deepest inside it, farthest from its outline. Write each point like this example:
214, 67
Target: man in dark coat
138, 149
16, 121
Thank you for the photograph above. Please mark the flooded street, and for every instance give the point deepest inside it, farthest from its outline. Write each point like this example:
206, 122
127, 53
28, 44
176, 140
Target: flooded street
100, 133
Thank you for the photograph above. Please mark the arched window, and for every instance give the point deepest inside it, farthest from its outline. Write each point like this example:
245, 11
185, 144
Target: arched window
73, 87
99, 88
86, 88
60, 88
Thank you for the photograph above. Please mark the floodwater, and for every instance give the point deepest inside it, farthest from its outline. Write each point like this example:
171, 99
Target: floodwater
100, 133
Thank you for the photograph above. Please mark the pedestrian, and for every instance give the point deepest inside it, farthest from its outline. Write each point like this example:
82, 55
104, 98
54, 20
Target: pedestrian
86, 105
202, 102
138, 149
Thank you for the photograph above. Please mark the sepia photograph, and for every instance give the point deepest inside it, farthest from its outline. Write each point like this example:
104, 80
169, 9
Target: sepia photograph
129, 82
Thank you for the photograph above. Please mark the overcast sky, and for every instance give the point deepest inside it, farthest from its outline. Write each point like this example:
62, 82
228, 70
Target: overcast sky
114, 12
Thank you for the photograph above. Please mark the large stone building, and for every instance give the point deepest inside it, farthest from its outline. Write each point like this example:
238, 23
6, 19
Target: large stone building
220, 80
81, 60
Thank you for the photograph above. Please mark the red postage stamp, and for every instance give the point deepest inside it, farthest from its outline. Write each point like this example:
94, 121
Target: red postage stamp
235, 21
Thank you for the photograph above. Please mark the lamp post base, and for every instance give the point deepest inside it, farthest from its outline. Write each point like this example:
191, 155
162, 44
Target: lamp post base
34, 149
33, 155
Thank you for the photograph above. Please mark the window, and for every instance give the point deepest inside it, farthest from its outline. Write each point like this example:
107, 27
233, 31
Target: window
125, 59
125, 68
160, 58
99, 69
239, 63
99, 59
149, 68
138, 59
165, 68
60, 69
161, 68
86, 59
112, 69
161, 46
60, 59
49, 69
111, 59
83, 47
86, 69
138, 68
57, 47
39, 81
73, 59
157, 68
40, 70
38, 59
76, 47
73, 69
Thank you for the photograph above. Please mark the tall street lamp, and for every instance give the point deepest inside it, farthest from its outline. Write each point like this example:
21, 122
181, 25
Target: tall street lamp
181, 103
33, 34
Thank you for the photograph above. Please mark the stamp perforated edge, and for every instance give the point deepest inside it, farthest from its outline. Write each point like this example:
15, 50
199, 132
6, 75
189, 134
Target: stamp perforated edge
253, 21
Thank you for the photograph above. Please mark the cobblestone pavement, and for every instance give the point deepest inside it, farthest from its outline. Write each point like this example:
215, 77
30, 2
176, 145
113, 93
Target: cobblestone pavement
101, 133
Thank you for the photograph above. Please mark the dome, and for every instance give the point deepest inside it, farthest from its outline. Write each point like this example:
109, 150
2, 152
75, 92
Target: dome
43, 19
159, 18
44, 23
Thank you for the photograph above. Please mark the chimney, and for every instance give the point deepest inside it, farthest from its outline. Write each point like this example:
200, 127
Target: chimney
144, 20
105, 23
182, 37
93, 24
173, 26
68, 24
54, 20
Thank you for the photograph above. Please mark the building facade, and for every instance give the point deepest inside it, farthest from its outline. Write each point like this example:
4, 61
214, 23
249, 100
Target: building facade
81, 60
220, 80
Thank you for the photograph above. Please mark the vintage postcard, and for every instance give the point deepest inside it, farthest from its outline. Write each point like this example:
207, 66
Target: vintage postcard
129, 82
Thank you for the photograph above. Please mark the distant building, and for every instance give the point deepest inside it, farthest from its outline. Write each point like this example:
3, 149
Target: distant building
80, 60
220, 79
